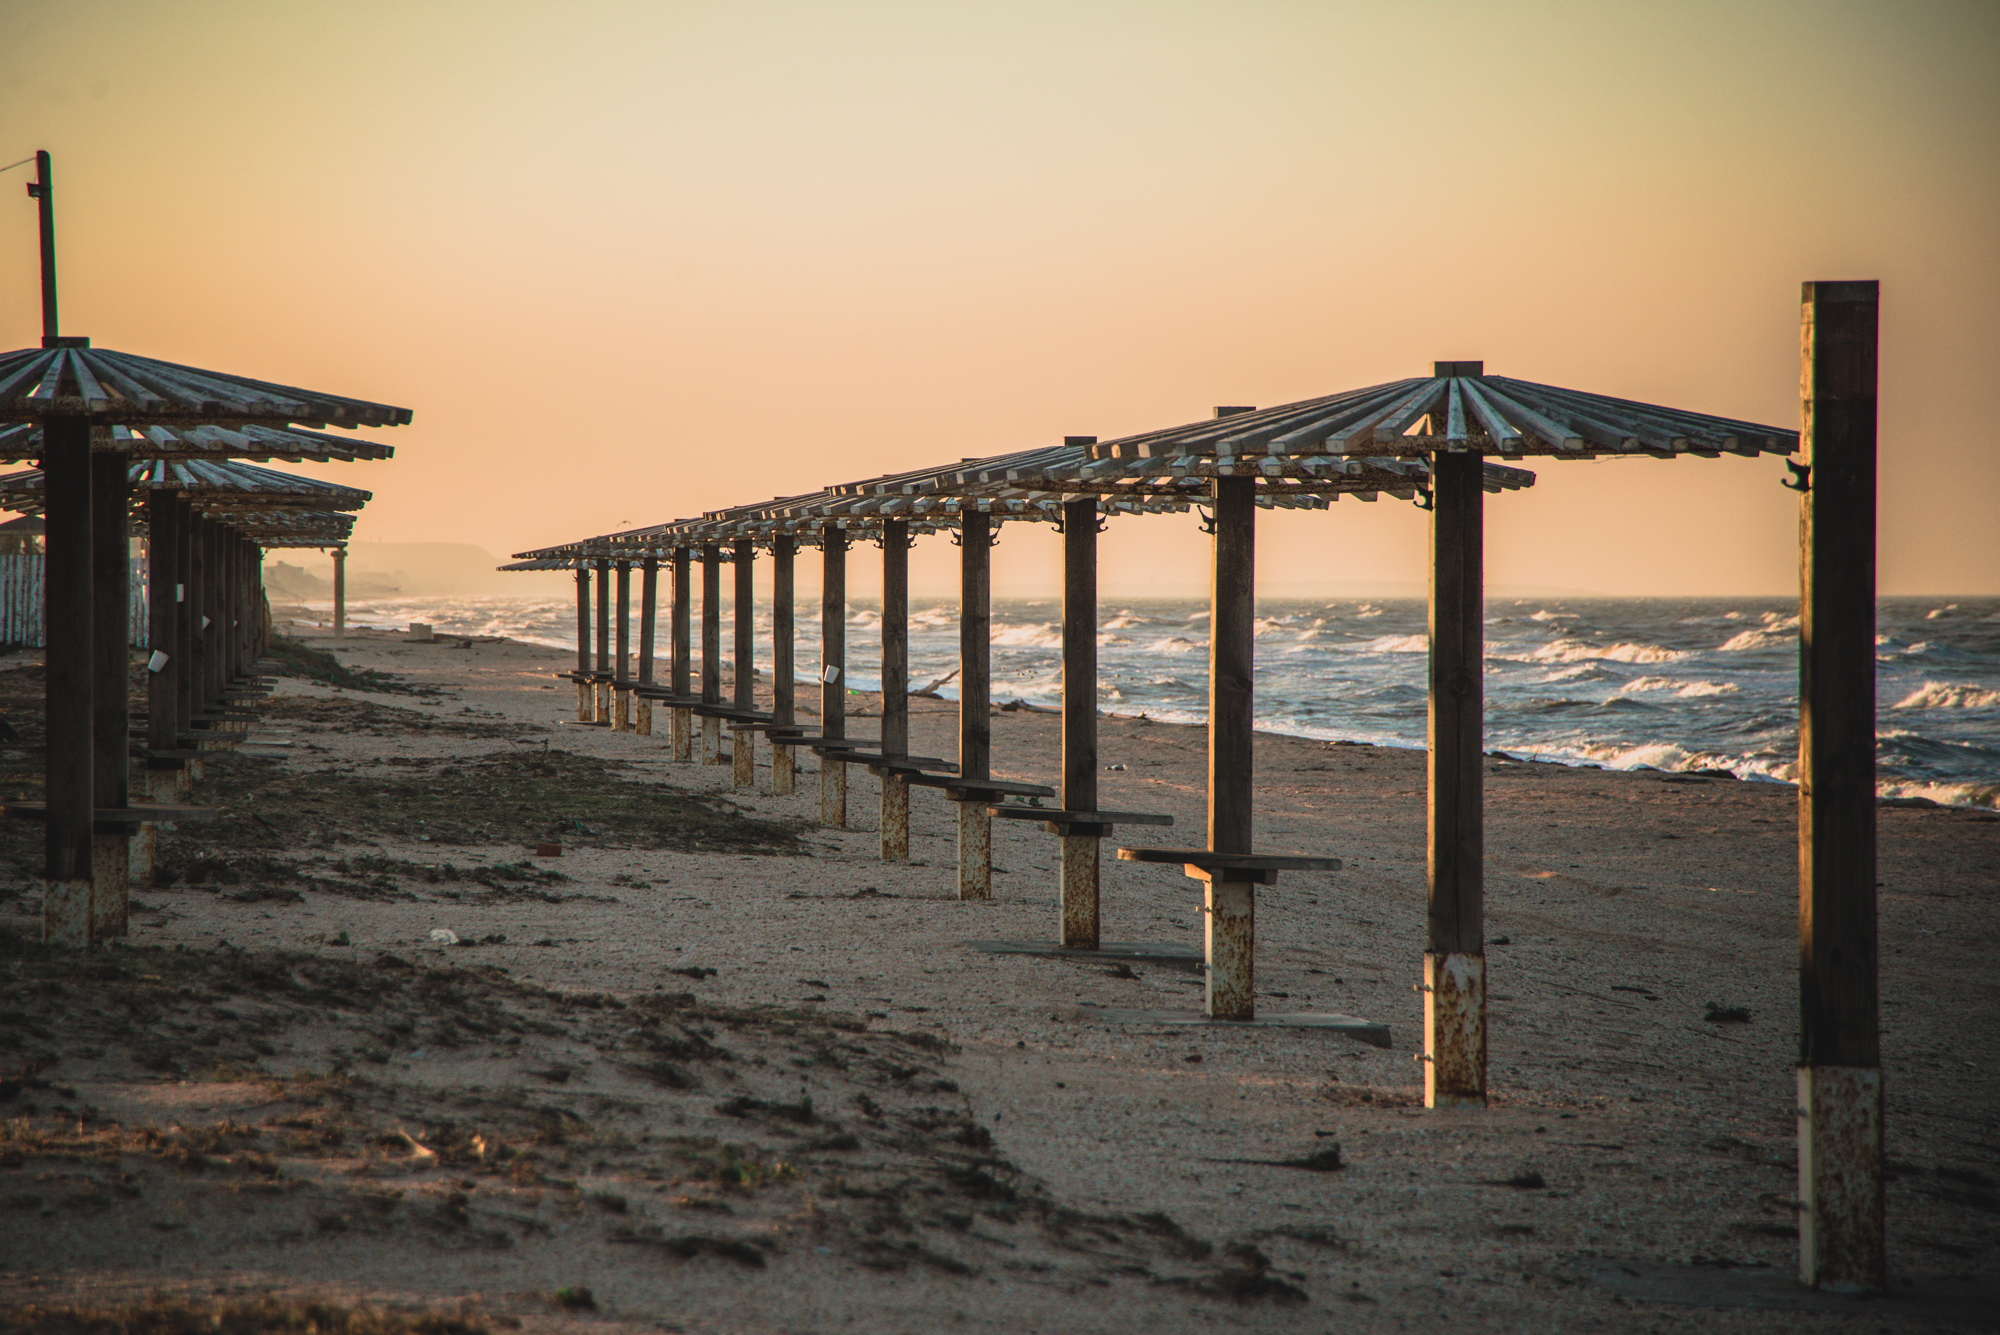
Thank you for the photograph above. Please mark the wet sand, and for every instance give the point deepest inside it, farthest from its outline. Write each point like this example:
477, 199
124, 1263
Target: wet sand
1026, 1165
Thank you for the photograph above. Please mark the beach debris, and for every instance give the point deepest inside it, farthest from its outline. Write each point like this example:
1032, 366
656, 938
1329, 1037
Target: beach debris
694, 971
548, 848
1720, 1014
574, 1298
930, 692
1115, 769
1530, 1180
1121, 971
444, 936
1319, 1161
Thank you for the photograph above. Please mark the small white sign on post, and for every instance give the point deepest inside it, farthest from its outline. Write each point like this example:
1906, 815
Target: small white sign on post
831, 675
157, 663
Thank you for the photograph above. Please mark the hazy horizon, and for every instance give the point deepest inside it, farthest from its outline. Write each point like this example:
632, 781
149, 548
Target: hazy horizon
630, 262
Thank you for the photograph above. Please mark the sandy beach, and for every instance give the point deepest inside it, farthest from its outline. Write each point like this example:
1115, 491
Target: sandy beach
715, 1069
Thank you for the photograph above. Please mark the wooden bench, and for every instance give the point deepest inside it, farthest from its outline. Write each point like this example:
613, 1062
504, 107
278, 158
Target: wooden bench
1230, 904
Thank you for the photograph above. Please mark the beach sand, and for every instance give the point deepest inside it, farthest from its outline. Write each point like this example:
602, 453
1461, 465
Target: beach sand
857, 1121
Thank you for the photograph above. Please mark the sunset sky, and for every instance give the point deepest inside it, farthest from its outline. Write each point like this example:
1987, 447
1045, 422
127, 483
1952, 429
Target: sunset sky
630, 261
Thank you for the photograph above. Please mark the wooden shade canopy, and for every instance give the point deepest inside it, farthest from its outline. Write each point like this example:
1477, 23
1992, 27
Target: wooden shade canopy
214, 487
23, 441
71, 379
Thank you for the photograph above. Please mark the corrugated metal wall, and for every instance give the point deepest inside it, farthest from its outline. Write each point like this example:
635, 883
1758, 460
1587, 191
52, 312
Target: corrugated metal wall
21, 602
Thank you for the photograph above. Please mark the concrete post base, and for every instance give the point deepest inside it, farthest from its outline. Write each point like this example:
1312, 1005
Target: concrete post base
585, 710
895, 819
742, 760
145, 853
711, 740
643, 725
111, 873
1841, 1243
975, 851
1230, 910
621, 711
677, 726
1077, 926
66, 913
784, 771
1454, 1031
832, 794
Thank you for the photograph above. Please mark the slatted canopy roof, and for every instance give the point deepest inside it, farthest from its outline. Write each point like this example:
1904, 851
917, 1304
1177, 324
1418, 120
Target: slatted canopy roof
73, 379
290, 528
214, 487
1458, 408
22, 442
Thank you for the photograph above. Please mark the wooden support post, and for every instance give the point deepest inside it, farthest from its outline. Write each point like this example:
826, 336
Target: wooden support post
1841, 1234
200, 602
1455, 960
833, 672
711, 652
680, 637
601, 674
184, 640
163, 544
895, 685
649, 600
621, 672
975, 720
70, 631
111, 766
1229, 902
340, 592
215, 609
1077, 918
584, 710
743, 619
784, 689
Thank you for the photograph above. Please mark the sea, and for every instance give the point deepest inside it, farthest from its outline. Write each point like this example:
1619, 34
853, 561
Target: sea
1660, 683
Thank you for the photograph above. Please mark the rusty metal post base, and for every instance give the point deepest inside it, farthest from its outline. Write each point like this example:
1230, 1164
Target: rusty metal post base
187, 777
784, 771
643, 725
111, 874
742, 759
585, 710
1841, 1244
678, 728
711, 740
895, 819
1230, 908
832, 794
66, 913
1454, 1031
163, 785
975, 851
621, 711
145, 855
1076, 928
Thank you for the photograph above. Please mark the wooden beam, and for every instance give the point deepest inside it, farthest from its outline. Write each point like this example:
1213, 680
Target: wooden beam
1841, 1234
69, 659
1455, 958
784, 686
1077, 889
833, 672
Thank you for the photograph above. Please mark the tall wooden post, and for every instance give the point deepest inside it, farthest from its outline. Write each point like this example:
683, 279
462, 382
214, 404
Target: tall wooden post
784, 689
621, 672
111, 766
163, 574
186, 684
711, 652
585, 692
340, 592
975, 714
681, 638
70, 660
601, 675
1077, 893
833, 672
1455, 961
1232, 645
895, 686
1841, 1235
215, 609
743, 622
649, 599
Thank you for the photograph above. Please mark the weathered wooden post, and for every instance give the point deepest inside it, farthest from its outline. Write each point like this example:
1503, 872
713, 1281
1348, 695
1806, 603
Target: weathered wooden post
784, 691
743, 624
649, 598
1077, 922
832, 672
186, 683
163, 577
895, 686
70, 632
621, 673
585, 709
1841, 1233
601, 677
111, 766
1231, 895
682, 648
975, 721
711, 654
340, 592
1454, 984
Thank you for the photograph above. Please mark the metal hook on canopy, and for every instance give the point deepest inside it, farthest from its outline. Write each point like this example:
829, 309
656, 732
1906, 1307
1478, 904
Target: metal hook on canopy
1424, 500
1801, 478
1104, 513
1207, 519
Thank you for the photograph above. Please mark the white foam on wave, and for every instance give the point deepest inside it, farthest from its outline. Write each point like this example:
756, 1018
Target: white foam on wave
1684, 690
1575, 651
1174, 644
1984, 795
1757, 637
1950, 695
1035, 635
1396, 644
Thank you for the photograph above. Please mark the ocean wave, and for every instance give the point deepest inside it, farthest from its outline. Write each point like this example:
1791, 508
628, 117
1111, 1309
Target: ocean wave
1571, 651
1757, 637
1396, 644
1684, 690
1949, 695
1175, 644
1035, 635
1984, 795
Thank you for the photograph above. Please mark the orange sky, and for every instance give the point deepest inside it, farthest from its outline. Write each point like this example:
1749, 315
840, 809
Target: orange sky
628, 261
